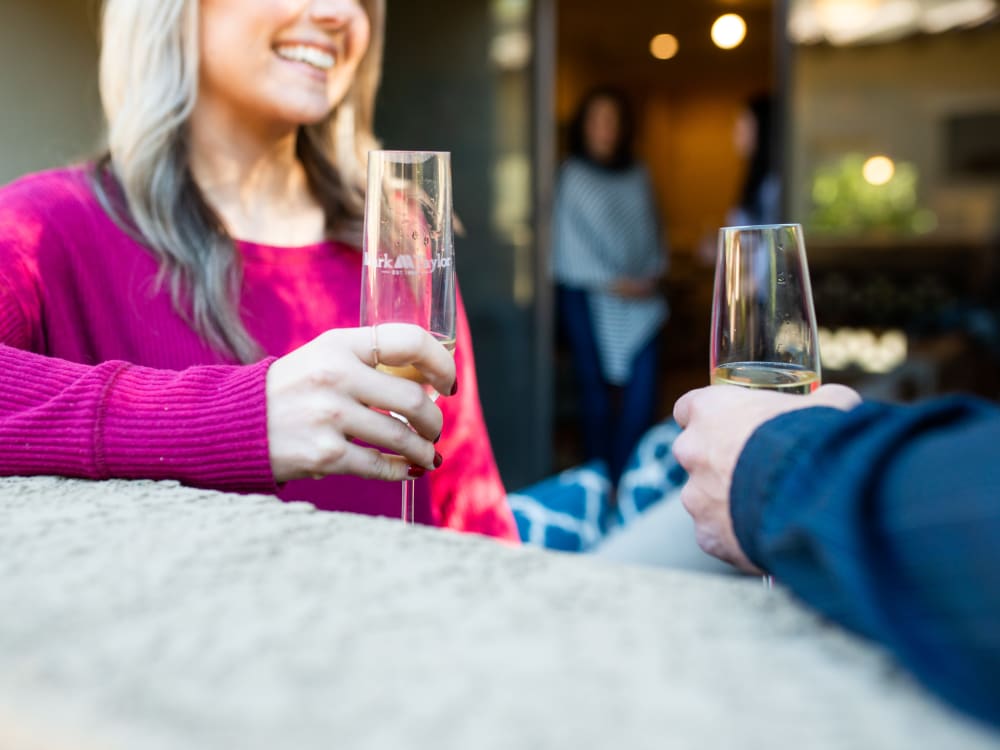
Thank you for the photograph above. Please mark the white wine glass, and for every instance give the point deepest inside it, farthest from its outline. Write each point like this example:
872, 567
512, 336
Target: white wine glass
408, 273
763, 321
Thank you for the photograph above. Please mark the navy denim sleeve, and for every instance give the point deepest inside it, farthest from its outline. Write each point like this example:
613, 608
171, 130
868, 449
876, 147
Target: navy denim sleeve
887, 520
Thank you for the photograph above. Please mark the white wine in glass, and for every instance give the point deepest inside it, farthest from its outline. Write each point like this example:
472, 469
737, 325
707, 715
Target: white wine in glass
408, 273
409, 372
770, 376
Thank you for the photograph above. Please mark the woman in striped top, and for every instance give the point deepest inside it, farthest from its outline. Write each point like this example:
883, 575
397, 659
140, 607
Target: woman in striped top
608, 260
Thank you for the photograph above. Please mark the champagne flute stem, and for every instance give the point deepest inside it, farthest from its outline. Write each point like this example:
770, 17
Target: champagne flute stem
409, 501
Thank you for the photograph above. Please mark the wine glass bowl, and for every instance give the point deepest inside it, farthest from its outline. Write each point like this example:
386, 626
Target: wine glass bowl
763, 322
409, 266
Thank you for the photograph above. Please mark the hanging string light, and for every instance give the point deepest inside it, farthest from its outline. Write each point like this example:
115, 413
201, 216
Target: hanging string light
729, 31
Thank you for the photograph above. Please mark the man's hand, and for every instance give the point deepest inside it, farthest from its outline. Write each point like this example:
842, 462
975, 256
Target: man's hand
718, 421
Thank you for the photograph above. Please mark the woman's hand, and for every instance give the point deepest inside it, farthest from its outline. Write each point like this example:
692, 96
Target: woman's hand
324, 395
718, 421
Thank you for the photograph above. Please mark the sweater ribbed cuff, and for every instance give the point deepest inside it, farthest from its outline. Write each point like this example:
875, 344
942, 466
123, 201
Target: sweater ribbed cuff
206, 426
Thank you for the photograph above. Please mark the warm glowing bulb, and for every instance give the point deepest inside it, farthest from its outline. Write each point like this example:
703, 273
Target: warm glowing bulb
729, 31
878, 170
664, 46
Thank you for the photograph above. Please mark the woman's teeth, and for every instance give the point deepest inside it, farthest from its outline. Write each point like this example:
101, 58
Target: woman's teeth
309, 55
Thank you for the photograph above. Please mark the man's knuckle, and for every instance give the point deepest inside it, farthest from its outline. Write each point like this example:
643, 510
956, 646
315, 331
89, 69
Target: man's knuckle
689, 498
694, 407
685, 452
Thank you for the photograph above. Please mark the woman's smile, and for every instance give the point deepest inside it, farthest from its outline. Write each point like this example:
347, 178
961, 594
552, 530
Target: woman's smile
317, 60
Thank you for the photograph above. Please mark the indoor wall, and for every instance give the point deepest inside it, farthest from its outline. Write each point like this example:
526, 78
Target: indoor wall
49, 106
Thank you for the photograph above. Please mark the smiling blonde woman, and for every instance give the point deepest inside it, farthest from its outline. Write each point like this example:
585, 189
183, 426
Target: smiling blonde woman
185, 306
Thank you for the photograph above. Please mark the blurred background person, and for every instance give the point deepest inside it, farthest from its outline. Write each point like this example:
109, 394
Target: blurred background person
609, 259
760, 195
753, 137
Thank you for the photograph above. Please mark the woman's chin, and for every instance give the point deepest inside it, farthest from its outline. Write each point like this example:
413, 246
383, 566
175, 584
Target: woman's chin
313, 119
299, 116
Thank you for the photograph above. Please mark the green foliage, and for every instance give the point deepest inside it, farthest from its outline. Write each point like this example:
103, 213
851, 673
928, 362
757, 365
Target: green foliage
845, 203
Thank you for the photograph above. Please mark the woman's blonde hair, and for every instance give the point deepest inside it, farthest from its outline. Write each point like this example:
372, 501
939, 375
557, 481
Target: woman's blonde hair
149, 86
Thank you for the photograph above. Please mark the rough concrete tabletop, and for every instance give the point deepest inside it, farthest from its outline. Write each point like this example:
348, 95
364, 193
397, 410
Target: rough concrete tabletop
150, 616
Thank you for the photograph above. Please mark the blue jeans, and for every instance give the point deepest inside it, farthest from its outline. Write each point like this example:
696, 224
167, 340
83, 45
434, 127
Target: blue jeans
613, 418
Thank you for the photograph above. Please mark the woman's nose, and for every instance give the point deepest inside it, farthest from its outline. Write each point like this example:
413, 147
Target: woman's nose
334, 14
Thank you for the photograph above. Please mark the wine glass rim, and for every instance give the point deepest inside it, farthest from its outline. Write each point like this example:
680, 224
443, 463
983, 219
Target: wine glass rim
408, 153
742, 227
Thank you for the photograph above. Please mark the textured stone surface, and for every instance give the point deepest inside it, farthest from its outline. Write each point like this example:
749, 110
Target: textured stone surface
150, 616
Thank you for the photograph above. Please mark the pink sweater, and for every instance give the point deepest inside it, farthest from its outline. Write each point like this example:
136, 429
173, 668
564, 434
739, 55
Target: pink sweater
99, 376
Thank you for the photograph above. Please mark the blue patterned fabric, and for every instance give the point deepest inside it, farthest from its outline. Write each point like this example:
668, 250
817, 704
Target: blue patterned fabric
572, 511
567, 512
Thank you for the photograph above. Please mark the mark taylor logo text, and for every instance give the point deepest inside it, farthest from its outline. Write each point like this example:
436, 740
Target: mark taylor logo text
409, 263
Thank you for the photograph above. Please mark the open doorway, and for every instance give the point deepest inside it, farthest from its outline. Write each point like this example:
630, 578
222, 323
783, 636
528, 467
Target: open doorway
686, 108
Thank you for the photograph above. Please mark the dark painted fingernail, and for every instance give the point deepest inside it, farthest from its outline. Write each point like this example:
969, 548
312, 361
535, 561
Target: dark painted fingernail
438, 460
416, 472
437, 439
454, 388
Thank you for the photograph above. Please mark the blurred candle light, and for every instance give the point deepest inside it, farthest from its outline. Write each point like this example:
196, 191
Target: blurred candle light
846, 22
664, 46
938, 18
863, 348
511, 50
729, 31
878, 170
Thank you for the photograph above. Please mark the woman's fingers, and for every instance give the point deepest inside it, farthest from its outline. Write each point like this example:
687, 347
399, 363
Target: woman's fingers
388, 433
403, 397
369, 463
402, 345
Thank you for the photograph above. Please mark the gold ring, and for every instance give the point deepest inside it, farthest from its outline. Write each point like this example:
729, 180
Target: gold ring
375, 359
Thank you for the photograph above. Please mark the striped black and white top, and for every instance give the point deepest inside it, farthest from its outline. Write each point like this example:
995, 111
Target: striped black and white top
605, 229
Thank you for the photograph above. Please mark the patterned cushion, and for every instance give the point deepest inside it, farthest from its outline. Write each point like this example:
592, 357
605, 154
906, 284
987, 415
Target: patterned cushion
566, 512
572, 511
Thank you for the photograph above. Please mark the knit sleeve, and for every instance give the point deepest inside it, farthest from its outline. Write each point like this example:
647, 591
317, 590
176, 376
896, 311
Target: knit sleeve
466, 492
205, 426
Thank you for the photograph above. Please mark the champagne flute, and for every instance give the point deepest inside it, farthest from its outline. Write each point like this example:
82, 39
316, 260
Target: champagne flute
763, 322
408, 273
